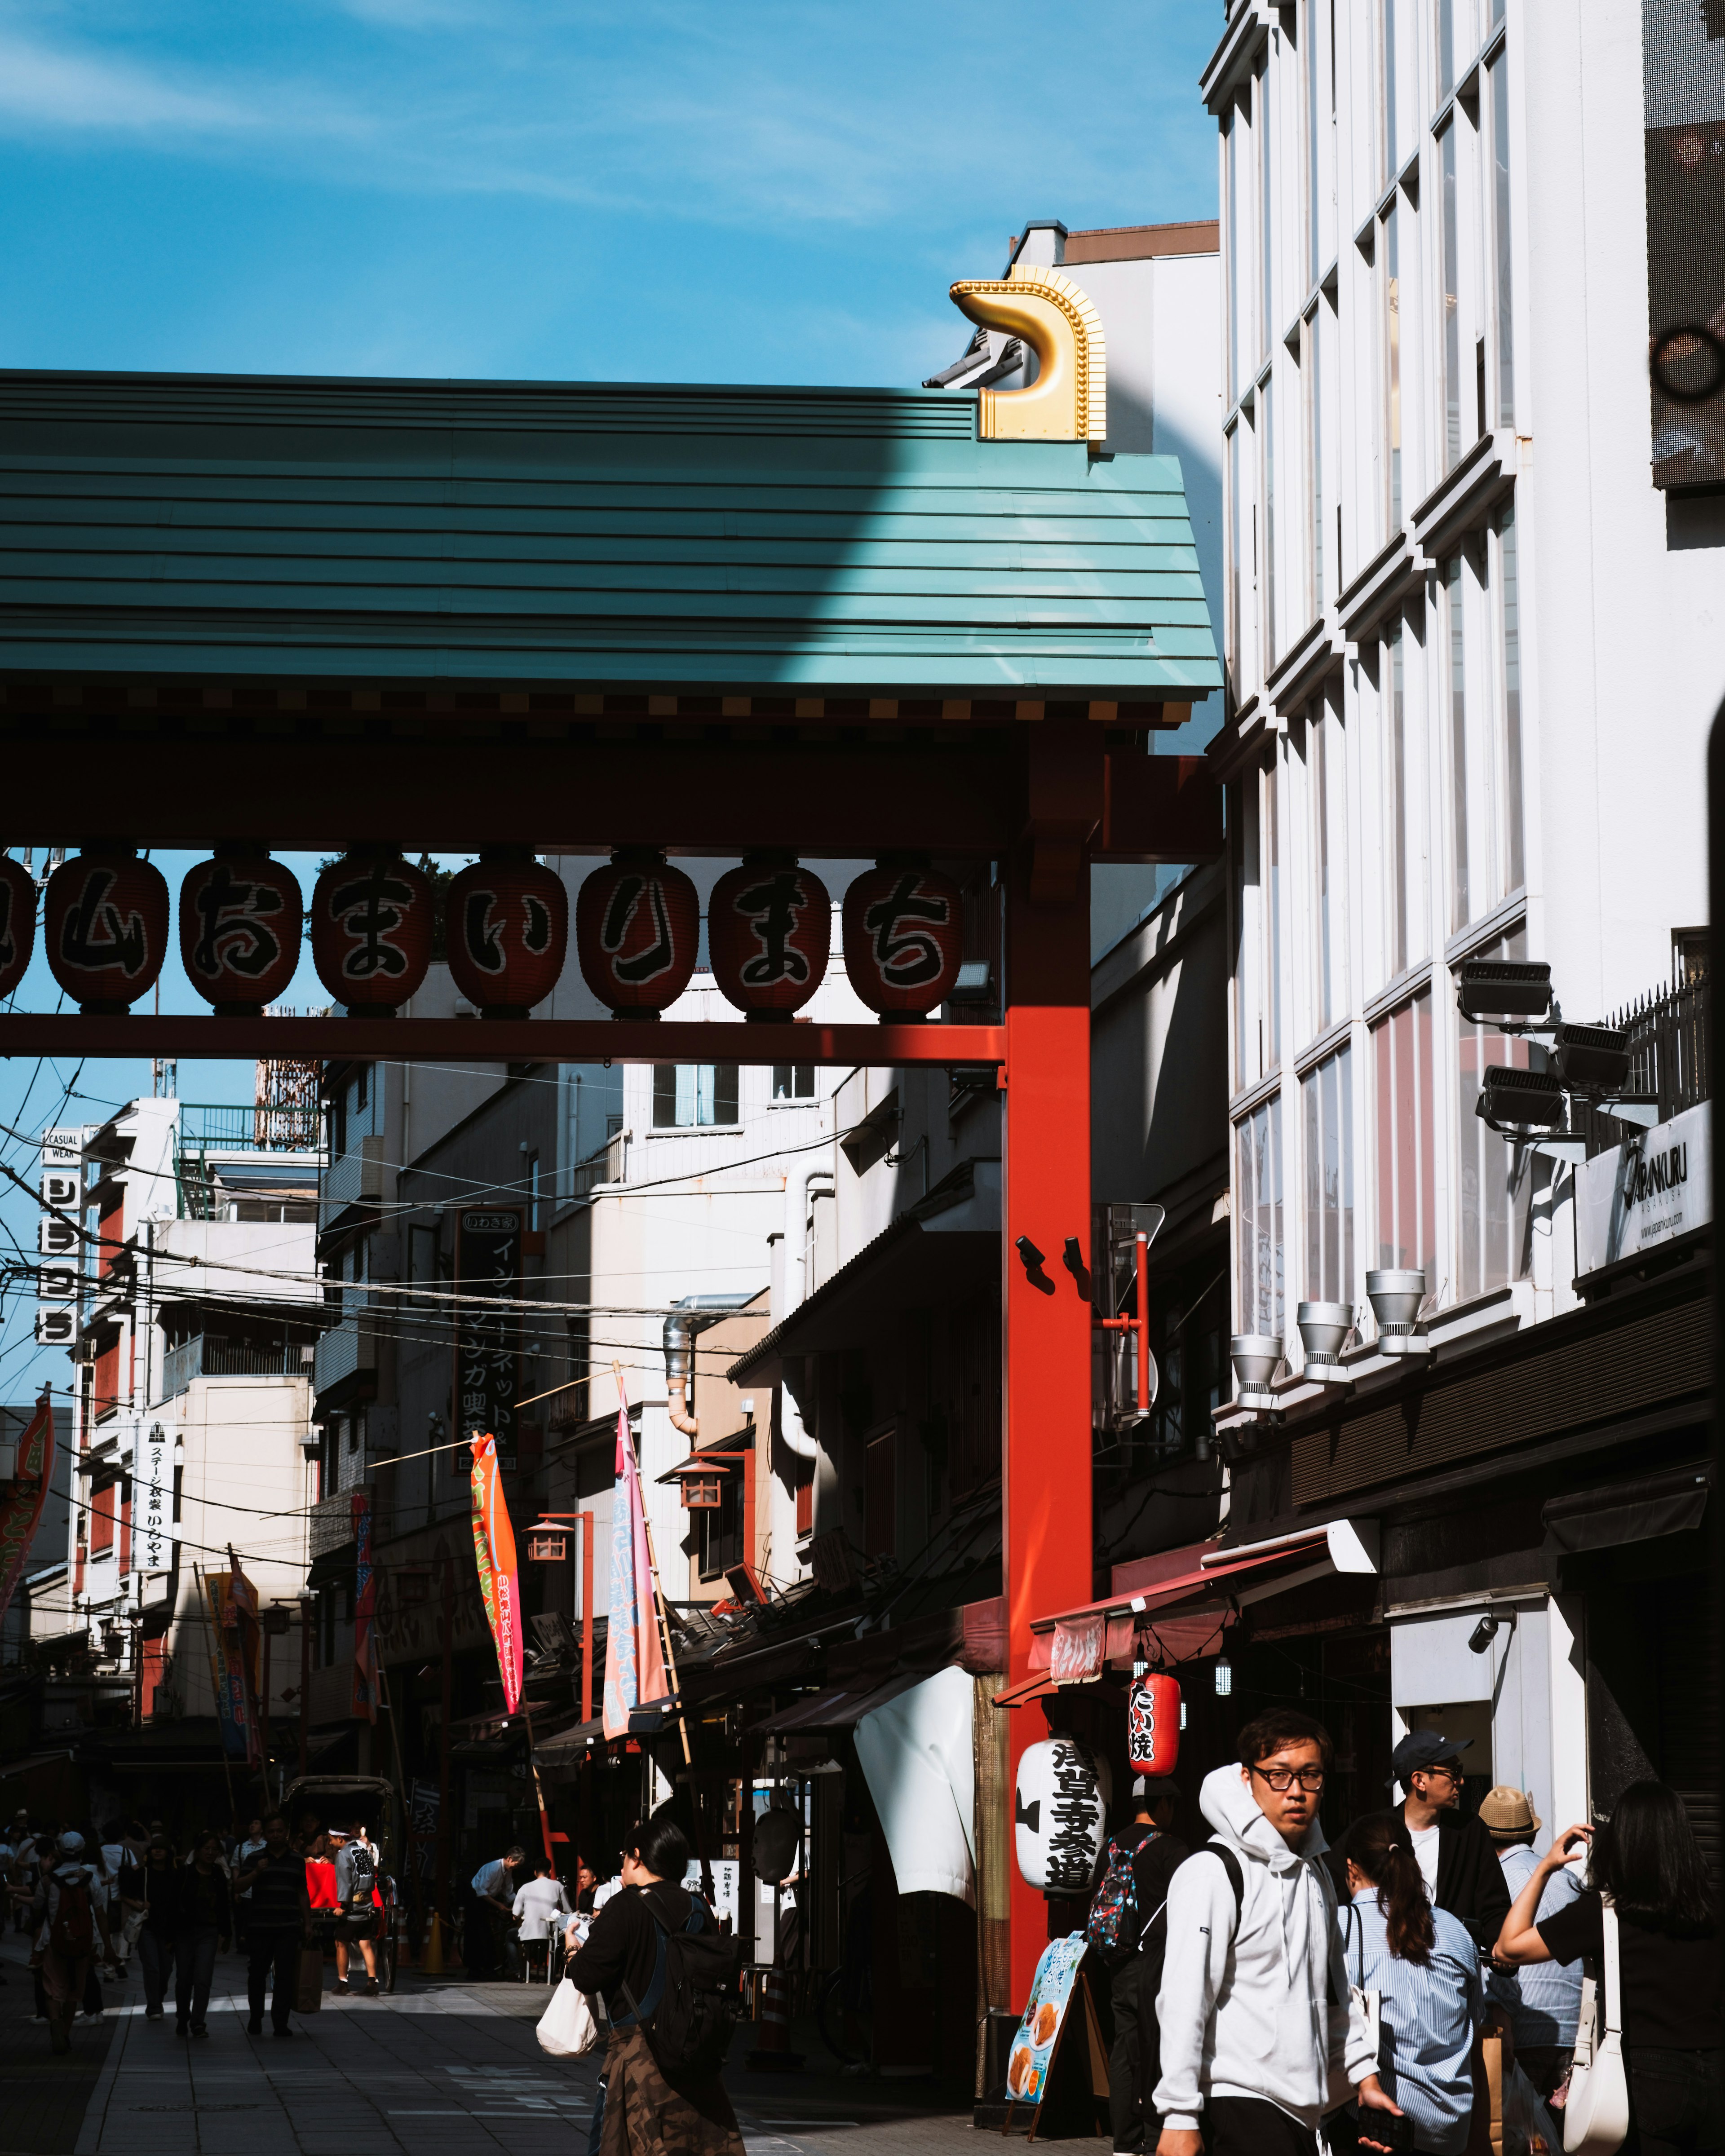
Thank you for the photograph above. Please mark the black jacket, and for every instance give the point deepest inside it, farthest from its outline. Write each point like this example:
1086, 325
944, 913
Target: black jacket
622, 1946
1470, 1884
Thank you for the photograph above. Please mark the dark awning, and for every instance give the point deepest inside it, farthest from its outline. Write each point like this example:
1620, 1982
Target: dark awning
1640, 1510
838, 1706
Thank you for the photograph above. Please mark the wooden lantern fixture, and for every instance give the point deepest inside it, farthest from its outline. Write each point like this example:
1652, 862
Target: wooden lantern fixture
548, 1546
700, 1493
904, 934
240, 918
372, 918
507, 922
105, 920
17, 922
637, 932
769, 927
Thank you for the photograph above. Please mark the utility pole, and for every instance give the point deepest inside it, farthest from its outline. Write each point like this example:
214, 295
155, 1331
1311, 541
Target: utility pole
306, 1606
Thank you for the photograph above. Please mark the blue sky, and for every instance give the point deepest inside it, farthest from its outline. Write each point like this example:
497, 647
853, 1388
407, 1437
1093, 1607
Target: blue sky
748, 191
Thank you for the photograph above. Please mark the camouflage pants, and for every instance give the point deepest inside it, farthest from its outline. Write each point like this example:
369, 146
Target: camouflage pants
644, 2116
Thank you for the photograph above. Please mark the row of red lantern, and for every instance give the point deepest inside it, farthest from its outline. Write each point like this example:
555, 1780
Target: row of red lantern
506, 918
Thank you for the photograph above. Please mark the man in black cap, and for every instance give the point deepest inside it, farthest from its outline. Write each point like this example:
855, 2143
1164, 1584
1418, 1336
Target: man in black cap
1455, 1852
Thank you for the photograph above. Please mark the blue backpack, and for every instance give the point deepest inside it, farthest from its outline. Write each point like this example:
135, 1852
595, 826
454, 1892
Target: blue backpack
1112, 1926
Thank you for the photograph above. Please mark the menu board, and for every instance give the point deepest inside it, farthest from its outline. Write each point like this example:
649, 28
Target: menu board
1050, 1995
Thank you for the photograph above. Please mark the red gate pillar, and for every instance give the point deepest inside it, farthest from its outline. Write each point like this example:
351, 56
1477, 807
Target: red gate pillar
1046, 1327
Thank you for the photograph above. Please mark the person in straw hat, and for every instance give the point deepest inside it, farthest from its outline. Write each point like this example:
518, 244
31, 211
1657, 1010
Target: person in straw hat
1543, 2001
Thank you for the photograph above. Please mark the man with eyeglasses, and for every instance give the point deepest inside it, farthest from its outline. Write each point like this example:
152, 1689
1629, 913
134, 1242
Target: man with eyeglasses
1454, 1850
1253, 2003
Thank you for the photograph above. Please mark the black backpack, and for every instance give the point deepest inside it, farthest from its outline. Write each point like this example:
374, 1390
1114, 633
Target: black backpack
692, 2004
1152, 1950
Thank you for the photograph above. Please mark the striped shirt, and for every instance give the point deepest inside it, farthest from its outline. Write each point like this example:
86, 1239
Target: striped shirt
1543, 2001
1428, 2016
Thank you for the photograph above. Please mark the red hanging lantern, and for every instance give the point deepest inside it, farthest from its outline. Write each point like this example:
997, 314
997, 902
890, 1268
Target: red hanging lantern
105, 920
903, 938
1153, 1724
507, 922
637, 932
372, 917
17, 921
240, 918
769, 928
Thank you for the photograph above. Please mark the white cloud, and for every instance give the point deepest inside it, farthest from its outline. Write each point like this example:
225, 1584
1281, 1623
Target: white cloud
85, 91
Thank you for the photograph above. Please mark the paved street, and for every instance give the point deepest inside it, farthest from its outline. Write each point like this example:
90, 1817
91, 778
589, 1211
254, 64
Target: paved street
438, 2067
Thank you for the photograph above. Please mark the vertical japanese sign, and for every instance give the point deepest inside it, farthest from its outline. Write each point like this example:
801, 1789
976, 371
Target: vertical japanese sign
21, 1502
365, 1611
500, 1581
59, 1258
488, 1267
153, 1484
233, 1636
634, 1662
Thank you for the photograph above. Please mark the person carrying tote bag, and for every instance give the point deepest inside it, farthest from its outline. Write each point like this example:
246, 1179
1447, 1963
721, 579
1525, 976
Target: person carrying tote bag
1650, 2076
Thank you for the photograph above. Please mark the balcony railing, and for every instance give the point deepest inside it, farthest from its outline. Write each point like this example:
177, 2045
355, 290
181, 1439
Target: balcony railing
220, 1128
609, 1163
1668, 1058
212, 1355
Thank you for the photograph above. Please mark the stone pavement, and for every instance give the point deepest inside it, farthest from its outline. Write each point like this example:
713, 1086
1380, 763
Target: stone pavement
440, 2066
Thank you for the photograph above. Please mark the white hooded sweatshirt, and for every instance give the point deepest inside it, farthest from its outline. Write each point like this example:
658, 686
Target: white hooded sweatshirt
1255, 2005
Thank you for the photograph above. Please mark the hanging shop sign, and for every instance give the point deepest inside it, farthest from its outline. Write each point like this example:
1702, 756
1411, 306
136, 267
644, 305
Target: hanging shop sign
499, 1575
1153, 1724
241, 915
17, 921
769, 928
506, 923
372, 918
1058, 1816
488, 1266
904, 935
105, 923
637, 932
152, 1483
1655, 1186
233, 1632
60, 1271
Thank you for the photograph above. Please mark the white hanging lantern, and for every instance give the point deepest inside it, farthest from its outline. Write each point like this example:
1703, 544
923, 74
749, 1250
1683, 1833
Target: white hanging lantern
1058, 1815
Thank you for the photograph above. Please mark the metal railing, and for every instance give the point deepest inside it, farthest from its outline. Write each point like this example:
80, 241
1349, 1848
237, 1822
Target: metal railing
609, 1163
212, 1355
1668, 1058
216, 1127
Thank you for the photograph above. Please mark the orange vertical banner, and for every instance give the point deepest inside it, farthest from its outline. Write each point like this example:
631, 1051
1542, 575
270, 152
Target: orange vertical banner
498, 1578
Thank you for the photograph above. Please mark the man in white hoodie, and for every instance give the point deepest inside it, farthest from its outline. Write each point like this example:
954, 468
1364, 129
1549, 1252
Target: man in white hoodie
1253, 2003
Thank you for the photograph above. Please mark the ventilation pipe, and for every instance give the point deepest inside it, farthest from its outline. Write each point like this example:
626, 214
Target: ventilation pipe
799, 1194
682, 1322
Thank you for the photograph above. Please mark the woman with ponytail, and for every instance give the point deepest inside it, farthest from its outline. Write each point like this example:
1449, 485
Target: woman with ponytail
1425, 1970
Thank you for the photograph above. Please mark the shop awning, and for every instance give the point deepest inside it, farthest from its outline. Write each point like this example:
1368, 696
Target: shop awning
1640, 1510
837, 1707
1173, 1607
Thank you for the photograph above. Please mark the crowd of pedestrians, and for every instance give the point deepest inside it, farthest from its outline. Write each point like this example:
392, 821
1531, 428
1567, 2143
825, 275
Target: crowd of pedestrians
1273, 1996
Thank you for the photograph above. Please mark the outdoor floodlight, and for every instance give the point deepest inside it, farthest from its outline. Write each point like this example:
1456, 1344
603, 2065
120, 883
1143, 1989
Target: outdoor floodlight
1324, 1326
1396, 1294
1593, 1059
1256, 1357
1513, 990
1513, 1100
1483, 1634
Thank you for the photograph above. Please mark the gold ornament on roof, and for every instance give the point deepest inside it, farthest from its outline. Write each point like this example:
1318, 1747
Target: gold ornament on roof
1068, 402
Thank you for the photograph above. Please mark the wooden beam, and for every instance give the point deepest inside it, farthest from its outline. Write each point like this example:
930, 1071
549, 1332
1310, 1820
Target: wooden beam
1159, 809
504, 1040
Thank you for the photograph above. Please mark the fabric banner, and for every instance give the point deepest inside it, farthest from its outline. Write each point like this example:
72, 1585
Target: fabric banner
233, 1629
634, 1661
21, 1504
918, 1756
494, 1552
365, 1611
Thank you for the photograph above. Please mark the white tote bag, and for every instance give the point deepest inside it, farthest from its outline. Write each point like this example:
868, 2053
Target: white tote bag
1370, 2006
567, 2028
1596, 2113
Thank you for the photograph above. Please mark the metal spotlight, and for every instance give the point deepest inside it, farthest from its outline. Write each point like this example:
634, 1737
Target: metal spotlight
1593, 1059
1513, 1101
1483, 1634
1514, 990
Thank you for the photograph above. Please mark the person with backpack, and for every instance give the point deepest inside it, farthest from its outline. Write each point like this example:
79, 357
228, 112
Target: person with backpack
1136, 1866
1253, 2003
69, 1906
360, 1904
205, 1923
668, 1977
1423, 1967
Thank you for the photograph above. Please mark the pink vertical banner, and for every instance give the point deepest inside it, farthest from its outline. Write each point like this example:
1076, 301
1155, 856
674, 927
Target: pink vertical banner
634, 1662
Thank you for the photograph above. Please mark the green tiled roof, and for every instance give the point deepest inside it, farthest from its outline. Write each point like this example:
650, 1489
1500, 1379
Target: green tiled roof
627, 536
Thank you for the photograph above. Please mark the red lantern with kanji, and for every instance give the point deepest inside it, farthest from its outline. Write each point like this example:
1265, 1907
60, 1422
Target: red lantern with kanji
1153, 1724
106, 921
372, 917
507, 924
17, 921
769, 927
637, 932
240, 918
903, 938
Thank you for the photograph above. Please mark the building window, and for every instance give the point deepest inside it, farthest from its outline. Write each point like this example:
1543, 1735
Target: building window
1326, 1114
1392, 164
1266, 425
1403, 802
1446, 48
693, 1096
793, 1081
1390, 241
1451, 301
1257, 963
361, 1088
1258, 1184
532, 1193
1233, 447
1314, 221
1327, 785
1495, 1178
1460, 889
1497, 75
1486, 778
1510, 647
1407, 1211
1311, 362
1266, 190
1230, 167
